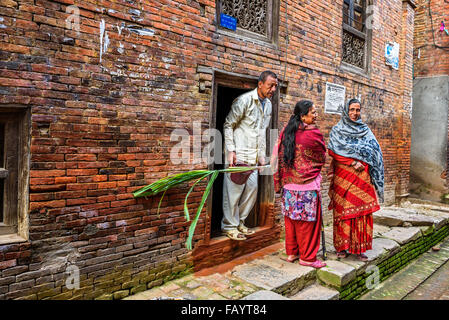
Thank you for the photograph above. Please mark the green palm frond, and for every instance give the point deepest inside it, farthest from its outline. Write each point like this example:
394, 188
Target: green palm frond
173, 181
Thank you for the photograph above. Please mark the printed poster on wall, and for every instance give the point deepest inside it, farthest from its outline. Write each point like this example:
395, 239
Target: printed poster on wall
392, 54
334, 100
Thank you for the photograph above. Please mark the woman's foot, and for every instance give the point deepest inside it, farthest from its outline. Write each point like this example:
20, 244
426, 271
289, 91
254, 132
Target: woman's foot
342, 254
362, 257
316, 264
292, 258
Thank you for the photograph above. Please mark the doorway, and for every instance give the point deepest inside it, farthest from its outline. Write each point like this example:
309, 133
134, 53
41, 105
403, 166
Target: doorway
225, 97
227, 87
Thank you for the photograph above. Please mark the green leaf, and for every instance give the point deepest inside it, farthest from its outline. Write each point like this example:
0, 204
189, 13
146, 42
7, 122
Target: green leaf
200, 208
186, 210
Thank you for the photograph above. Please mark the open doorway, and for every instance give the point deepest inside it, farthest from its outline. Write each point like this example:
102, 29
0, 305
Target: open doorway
216, 248
225, 97
226, 88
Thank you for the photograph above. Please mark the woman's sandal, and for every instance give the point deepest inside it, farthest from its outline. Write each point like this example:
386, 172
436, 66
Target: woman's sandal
342, 254
235, 235
290, 259
316, 264
362, 257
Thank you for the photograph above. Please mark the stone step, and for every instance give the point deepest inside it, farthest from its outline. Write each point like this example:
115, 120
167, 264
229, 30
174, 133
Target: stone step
338, 273
265, 295
316, 292
274, 274
397, 217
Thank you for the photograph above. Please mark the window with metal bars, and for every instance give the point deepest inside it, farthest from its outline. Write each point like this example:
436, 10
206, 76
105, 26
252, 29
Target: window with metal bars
355, 33
257, 19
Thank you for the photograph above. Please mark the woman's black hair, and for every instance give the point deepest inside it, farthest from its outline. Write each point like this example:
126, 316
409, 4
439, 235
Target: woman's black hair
289, 138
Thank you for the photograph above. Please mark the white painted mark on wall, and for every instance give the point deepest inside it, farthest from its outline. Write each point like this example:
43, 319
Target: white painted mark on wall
103, 35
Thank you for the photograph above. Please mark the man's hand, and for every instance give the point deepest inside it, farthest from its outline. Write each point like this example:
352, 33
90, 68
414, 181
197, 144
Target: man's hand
232, 158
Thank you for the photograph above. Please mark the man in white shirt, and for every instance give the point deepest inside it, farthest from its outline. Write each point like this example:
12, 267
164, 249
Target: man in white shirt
245, 143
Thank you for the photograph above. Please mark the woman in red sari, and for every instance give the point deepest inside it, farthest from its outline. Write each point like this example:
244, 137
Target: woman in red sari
357, 178
297, 160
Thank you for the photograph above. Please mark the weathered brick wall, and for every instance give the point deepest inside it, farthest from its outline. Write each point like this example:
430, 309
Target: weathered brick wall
430, 60
102, 119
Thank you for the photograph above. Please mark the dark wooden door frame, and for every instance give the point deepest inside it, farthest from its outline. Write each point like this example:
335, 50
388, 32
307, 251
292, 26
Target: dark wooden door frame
265, 194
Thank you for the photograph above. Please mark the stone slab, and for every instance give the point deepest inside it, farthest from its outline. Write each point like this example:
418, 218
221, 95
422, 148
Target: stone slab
263, 276
403, 235
382, 249
316, 292
336, 274
379, 229
397, 218
265, 295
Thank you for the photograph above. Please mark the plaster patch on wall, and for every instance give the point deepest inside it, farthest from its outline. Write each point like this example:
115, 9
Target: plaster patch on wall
103, 35
58, 256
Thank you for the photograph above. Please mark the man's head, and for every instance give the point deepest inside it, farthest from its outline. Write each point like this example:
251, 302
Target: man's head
268, 82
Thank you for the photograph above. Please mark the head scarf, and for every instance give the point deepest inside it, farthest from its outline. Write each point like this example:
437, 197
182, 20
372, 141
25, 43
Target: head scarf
353, 139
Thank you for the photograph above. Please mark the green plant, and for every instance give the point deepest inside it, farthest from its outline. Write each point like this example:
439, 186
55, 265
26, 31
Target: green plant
172, 181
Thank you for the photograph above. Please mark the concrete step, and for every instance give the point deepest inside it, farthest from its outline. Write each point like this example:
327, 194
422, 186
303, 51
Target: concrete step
316, 292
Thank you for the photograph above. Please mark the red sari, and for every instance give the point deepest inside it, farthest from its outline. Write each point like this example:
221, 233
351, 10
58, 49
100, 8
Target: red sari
353, 200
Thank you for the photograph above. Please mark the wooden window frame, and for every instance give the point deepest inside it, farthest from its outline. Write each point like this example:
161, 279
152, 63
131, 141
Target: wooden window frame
14, 172
272, 25
365, 35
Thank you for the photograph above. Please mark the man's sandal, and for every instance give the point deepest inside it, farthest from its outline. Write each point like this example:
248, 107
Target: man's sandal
245, 230
235, 235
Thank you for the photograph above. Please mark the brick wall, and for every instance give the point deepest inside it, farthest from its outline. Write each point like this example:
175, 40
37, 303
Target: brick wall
102, 119
428, 59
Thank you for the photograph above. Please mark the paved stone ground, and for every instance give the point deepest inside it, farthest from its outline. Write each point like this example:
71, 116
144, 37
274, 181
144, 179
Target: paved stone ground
268, 276
425, 278
434, 288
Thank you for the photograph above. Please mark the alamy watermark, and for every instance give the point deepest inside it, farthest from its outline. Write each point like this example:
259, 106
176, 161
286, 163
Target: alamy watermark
73, 277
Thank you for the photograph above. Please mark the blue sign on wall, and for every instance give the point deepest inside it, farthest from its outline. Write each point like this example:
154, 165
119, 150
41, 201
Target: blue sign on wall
228, 22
